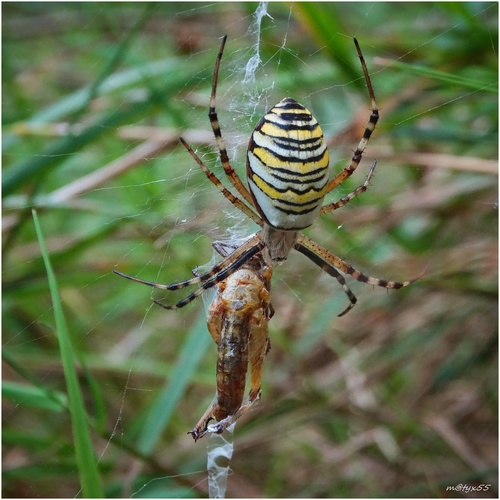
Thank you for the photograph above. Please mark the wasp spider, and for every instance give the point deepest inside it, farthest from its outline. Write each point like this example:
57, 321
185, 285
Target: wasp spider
288, 177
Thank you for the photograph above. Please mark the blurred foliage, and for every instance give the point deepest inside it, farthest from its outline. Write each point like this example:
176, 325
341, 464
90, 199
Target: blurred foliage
397, 398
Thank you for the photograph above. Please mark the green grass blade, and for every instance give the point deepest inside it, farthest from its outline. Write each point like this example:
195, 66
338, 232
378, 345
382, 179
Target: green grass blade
117, 55
86, 460
16, 175
325, 26
34, 397
55, 400
20, 173
450, 78
72, 103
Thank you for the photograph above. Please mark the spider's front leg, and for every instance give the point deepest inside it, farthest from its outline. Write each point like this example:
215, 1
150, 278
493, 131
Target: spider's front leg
251, 247
369, 128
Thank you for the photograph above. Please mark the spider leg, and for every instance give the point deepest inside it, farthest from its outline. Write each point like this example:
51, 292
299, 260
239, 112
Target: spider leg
370, 127
214, 180
202, 277
337, 262
214, 121
144, 282
232, 264
254, 241
330, 207
324, 259
314, 257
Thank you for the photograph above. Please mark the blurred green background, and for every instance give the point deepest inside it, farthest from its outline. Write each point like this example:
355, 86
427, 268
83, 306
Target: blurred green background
399, 397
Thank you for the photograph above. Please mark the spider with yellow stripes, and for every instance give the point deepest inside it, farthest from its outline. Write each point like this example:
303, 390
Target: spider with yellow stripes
288, 178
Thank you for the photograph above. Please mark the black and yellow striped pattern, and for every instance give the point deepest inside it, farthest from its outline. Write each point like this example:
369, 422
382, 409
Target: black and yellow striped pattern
287, 166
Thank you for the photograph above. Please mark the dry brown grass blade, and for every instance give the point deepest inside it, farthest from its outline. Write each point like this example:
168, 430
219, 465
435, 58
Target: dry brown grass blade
455, 440
439, 161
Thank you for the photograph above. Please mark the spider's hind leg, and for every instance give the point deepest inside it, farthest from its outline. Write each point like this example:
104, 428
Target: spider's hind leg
314, 257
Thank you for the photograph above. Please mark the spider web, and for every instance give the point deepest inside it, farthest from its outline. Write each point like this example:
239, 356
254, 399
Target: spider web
250, 83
